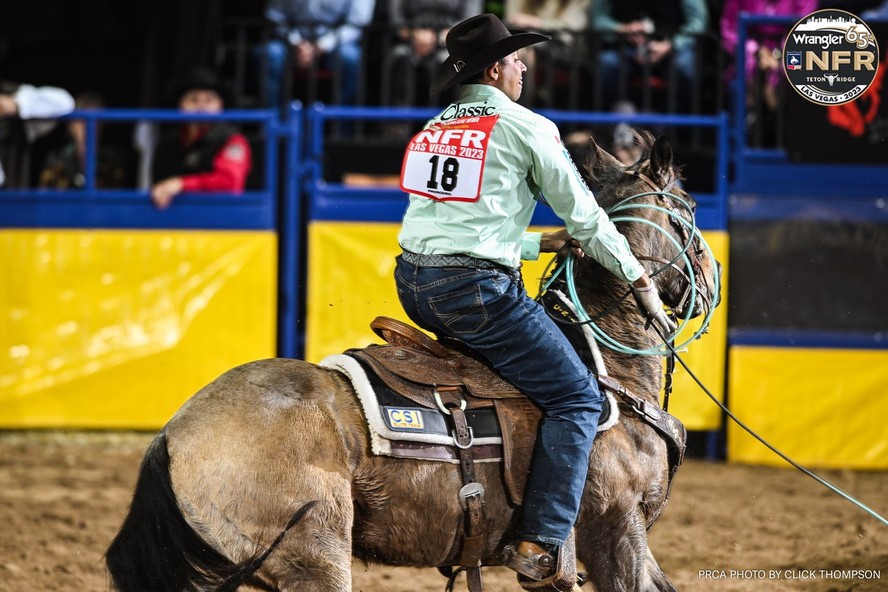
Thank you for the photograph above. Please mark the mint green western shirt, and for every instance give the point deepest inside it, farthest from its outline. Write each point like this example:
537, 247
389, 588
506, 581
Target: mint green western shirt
525, 158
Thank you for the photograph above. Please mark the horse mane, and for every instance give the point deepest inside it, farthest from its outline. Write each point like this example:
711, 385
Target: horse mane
611, 181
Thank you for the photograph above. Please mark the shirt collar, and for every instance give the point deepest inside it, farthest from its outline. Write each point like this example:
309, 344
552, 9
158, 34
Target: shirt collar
481, 92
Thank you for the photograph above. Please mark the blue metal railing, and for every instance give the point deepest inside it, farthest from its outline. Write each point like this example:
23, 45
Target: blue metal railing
290, 229
334, 201
132, 207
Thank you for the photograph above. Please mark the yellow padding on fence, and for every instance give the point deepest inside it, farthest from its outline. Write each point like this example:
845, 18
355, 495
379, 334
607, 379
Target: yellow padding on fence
706, 357
350, 282
117, 328
821, 407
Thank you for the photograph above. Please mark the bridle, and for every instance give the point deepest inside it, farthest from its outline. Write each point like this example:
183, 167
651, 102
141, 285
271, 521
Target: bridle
690, 248
689, 239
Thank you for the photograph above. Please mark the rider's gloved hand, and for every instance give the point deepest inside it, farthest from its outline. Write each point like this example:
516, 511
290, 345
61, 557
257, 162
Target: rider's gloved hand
648, 300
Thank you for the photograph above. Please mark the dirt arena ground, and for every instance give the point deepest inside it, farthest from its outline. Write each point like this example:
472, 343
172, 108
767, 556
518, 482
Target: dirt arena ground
727, 528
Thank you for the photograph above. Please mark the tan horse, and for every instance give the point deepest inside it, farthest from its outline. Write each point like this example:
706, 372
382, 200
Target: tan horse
241, 459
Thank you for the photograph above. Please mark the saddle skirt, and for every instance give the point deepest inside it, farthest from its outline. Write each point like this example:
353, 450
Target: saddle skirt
407, 387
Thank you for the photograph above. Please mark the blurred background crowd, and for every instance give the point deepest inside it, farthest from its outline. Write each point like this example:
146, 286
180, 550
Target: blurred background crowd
626, 56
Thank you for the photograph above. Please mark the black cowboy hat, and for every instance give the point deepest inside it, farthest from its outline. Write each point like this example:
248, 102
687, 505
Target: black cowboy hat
199, 78
474, 44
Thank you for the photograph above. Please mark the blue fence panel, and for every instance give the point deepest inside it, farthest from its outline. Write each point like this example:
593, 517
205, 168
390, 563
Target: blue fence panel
335, 201
92, 207
291, 231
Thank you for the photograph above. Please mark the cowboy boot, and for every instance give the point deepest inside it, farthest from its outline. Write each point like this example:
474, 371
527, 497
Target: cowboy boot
539, 571
531, 560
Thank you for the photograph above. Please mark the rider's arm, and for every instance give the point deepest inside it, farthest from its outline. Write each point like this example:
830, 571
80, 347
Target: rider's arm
556, 175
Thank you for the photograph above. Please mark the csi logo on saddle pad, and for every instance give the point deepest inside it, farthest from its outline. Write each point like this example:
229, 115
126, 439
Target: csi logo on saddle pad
404, 419
445, 162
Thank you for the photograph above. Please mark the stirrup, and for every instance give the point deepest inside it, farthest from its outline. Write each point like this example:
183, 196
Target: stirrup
560, 577
531, 561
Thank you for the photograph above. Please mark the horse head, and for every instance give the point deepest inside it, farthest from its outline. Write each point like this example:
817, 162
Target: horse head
655, 214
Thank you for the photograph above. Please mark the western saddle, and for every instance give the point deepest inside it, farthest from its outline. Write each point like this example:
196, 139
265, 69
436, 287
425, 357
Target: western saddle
435, 376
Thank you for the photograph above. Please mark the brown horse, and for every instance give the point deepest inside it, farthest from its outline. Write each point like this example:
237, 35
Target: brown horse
237, 464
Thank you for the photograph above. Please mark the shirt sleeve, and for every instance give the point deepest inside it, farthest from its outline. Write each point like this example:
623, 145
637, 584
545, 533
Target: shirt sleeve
45, 101
601, 16
695, 23
360, 13
566, 192
230, 169
530, 245
34, 103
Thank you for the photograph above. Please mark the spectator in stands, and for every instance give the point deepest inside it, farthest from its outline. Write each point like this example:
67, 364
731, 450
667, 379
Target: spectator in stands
625, 147
23, 112
651, 37
564, 20
325, 33
764, 43
200, 156
420, 27
65, 164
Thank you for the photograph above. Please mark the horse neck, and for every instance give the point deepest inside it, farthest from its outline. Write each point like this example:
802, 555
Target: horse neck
598, 290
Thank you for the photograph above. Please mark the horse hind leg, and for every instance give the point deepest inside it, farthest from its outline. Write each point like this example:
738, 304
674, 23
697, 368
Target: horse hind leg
316, 554
311, 564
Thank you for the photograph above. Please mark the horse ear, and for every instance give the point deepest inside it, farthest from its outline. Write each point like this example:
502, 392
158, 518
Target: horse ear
600, 160
661, 159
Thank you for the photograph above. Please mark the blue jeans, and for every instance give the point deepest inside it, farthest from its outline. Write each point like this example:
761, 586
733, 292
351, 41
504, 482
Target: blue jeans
346, 56
617, 62
490, 311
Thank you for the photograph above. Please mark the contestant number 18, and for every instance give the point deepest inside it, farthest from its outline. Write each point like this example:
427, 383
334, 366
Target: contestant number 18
449, 172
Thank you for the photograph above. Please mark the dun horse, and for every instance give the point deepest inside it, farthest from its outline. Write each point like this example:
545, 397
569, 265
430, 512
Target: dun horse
267, 474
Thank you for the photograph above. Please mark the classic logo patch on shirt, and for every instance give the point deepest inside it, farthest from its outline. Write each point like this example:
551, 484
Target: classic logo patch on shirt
446, 161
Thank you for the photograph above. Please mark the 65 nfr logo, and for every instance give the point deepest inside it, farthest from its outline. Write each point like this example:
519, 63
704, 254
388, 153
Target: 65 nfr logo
831, 57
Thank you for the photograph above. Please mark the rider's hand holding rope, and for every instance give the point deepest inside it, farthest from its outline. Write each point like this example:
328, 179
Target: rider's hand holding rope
648, 300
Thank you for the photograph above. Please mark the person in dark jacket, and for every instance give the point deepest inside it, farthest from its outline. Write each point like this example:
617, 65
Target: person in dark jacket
199, 155
27, 112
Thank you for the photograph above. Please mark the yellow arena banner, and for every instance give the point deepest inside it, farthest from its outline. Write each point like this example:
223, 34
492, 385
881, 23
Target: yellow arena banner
117, 328
350, 282
821, 407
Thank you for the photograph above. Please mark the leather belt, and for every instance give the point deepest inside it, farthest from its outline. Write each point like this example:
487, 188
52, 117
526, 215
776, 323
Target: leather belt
453, 261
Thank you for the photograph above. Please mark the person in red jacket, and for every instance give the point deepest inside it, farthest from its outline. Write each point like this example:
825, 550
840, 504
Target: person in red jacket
200, 155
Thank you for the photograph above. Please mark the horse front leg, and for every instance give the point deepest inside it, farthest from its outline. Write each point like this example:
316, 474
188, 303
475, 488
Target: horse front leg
615, 552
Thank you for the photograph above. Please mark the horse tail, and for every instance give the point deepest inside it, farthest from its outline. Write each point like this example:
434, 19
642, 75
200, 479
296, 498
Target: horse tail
156, 548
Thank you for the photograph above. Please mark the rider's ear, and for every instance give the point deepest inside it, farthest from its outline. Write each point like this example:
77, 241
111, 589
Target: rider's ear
493, 71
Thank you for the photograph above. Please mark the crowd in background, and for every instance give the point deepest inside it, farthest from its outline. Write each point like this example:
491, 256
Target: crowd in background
605, 55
